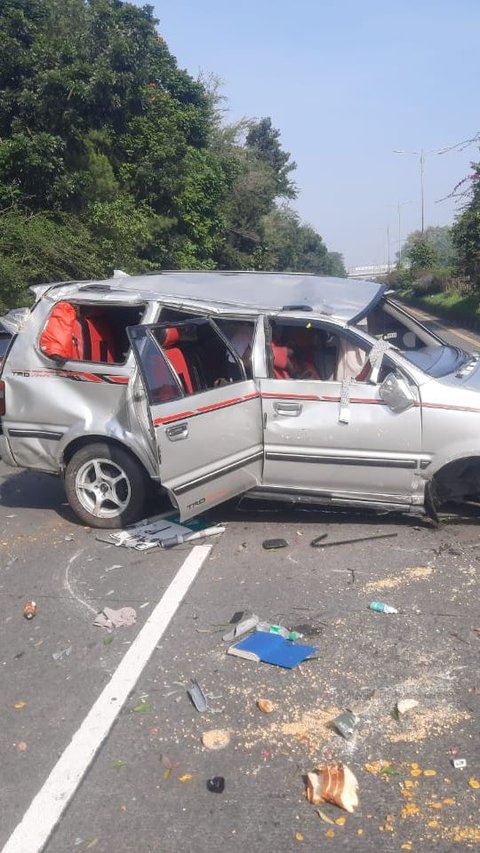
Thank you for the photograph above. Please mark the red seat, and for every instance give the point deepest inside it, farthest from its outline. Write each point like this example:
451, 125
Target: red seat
177, 358
280, 361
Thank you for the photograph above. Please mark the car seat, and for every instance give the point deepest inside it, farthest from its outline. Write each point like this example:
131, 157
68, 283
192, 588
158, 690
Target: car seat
169, 344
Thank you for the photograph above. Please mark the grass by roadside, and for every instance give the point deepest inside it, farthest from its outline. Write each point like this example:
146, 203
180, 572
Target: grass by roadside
448, 304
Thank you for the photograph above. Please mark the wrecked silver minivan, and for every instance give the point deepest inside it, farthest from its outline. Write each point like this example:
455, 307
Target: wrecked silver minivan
214, 384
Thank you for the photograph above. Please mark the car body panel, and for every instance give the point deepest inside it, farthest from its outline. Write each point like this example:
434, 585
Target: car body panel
280, 437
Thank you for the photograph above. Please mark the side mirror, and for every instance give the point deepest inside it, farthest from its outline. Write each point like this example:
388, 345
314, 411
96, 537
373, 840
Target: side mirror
396, 393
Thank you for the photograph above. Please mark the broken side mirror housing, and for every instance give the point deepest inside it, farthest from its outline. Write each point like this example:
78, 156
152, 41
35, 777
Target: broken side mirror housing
395, 392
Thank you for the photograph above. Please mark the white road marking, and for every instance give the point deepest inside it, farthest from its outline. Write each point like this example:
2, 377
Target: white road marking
45, 810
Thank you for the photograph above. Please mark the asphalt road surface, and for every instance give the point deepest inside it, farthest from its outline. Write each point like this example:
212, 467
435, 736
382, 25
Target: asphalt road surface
101, 747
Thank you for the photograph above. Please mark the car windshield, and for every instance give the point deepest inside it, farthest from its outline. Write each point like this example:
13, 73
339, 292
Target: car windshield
423, 348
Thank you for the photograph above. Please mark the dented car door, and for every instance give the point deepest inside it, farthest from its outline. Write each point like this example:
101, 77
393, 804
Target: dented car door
206, 415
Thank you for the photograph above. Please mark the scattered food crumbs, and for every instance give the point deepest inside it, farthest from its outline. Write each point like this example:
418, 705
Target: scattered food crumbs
185, 778
432, 824
123, 807
298, 836
429, 772
449, 801
22, 746
340, 821
435, 805
20, 705
410, 810
360, 831
416, 772
474, 783
330, 833
406, 846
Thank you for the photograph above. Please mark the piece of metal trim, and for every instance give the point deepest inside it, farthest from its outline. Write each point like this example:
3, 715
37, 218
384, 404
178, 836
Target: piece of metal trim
220, 472
342, 460
35, 433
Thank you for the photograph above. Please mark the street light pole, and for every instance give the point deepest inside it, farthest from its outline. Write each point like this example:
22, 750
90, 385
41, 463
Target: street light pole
421, 155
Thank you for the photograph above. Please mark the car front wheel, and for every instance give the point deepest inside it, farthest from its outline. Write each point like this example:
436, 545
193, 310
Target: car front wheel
105, 486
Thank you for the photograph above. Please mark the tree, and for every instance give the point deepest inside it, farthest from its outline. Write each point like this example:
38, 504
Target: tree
466, 232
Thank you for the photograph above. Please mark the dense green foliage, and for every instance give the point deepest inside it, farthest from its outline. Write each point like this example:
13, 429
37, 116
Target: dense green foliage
111, 156
466, 232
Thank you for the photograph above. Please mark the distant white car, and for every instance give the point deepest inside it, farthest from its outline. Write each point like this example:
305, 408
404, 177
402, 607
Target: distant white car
212, 384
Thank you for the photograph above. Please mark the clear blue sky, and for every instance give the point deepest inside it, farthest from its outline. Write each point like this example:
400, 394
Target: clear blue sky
346, 82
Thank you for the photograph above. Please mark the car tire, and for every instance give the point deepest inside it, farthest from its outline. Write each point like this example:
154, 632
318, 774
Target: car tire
106, 487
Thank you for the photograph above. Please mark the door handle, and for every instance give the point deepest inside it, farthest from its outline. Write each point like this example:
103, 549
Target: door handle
177, 432
291, 410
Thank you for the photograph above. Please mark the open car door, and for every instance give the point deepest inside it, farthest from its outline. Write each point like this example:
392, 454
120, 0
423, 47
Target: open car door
206, 415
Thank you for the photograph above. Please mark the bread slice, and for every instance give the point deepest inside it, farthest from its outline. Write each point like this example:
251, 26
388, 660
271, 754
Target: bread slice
333, 783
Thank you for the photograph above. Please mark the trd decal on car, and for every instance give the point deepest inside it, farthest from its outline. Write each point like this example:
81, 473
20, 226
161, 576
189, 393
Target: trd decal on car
75, 375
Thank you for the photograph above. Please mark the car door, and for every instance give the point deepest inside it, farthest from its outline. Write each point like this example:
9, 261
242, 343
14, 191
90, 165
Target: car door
355, 450
206, 415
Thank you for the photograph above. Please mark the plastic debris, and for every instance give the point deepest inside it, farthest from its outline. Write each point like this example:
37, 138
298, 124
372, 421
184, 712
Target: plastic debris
241, 628
346, 723
273, 544
197, 696
30, 610
216, 738
380, 607
333, 783
265, 706
278, 629
216, 784
405, 705
459, 763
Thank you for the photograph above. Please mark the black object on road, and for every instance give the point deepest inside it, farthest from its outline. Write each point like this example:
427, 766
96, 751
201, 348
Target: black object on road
272, 544
358, 539
216, 784
315, 542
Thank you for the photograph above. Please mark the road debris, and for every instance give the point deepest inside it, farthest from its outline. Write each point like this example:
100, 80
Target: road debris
315, 543
216, 784
345, 724
265, 706
354, 541
110, 619
274, 544
216, 738
241, 628
193, 534
380, 607
63, 653
334, 783
459, 763
30, 610
197, 696
271, 648
162, 531
405, 705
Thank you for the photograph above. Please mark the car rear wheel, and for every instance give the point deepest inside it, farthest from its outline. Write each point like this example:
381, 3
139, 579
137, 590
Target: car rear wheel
105, 486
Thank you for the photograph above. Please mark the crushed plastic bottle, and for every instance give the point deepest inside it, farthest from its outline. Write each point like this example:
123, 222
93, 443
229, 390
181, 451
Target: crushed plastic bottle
380, 607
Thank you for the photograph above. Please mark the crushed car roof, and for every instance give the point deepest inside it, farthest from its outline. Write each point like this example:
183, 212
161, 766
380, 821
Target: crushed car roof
345, 299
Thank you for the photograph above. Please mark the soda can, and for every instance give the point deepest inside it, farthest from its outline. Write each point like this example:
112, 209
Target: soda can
30, 610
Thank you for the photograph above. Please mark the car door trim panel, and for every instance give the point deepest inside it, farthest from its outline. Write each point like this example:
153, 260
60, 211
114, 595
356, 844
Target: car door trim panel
220, 472
341, 460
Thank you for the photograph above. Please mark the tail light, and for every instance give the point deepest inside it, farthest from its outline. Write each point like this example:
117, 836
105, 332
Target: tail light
2, 398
